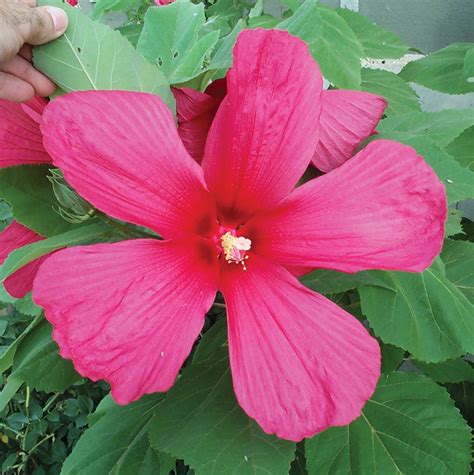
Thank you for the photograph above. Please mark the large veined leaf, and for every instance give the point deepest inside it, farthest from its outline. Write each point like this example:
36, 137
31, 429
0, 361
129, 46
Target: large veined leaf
118, 444
400, 96
423, 313
338, 51
102, 7
215, 437
377, 42
37, 362
171, 40
392, 357
458, 257
409, 426
222, 57
443, 70
92, 56
462, 148
306, 22
131, 32
333, 282
451, 371
441, 127
469, 64
31, 196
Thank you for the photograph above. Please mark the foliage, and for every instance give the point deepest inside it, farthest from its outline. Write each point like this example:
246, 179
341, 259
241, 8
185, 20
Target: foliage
52, 419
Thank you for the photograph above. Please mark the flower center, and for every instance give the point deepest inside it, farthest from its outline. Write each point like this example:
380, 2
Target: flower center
235, 248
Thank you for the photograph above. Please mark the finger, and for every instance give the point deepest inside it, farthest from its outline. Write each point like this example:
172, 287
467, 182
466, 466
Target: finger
26, 52
15, 89
25, 71
30, 3
42, 24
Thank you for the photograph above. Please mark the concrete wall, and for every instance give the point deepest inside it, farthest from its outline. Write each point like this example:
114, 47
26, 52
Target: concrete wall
425, 24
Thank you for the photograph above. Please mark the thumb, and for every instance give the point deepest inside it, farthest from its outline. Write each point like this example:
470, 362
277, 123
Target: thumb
43, 24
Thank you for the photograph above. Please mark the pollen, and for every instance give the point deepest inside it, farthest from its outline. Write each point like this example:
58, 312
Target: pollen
235, 248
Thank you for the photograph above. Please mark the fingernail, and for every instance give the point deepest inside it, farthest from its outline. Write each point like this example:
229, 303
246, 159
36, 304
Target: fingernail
59, 18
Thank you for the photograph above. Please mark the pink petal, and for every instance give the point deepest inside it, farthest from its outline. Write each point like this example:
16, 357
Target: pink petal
121, 152
13, 237
35, 108
128, 312
383, 209
347, 119
196, 112
266, 129
21, 141
299, 362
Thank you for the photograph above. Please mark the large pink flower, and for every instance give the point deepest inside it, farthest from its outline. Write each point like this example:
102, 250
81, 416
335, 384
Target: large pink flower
130, 312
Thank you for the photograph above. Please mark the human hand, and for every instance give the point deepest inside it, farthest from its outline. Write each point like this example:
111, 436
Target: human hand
22, 25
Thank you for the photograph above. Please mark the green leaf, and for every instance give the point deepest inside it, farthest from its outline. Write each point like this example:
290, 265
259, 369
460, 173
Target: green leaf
454, 223
223, 15
9, 390
256, 10
214, 340
469, 65
377, 42
102, 7
306, 22
216, 436
264, 21
291, 4
131, 32
222, 57
26, 254
451, 371
462, 148
400, 96
26, 306
443, 70
440, 127
458, 257
37, 362
92, 56
392, 357
31, 196
171, 39
118, 444
298, 466
463, 396
423, 313
334, 282
409, 426
338, 51
6, 360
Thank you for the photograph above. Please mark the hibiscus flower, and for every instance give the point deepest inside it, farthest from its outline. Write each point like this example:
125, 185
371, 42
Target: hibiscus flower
130, 312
